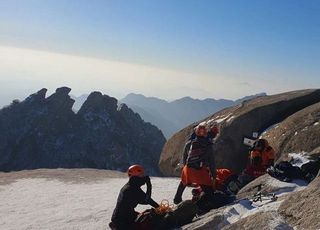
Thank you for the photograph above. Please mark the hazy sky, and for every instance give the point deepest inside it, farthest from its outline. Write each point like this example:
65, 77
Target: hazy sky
167, 48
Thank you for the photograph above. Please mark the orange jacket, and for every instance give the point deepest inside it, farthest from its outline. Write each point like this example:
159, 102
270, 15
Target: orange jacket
221, 176
266, 157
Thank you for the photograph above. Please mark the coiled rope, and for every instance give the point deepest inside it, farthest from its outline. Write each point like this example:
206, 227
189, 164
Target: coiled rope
164, 207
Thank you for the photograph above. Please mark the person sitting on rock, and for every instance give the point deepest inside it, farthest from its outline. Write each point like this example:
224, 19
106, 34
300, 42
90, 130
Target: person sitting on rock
130, 196
264, 152
261, 157
198, 164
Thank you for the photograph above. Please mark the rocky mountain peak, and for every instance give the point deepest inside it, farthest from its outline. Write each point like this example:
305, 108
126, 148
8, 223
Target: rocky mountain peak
60, 100
63, 90
38, 96
50, 135
98, 102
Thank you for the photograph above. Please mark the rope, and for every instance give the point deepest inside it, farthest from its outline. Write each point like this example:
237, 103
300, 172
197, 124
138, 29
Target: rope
164, 207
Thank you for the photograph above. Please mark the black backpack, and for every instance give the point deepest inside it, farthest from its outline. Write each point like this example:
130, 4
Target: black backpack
311, 169
182, 214
197, 154
150, 220
285, 171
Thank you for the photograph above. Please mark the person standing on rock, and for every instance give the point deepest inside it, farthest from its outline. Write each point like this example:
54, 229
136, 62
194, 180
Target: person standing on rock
211, 135
130, 196
198, 163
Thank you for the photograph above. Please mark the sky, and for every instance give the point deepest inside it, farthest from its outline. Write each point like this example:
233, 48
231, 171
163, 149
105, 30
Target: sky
168, 48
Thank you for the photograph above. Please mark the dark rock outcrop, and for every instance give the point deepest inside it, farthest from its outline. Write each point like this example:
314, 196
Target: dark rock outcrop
298, 133
237, 122
42, 132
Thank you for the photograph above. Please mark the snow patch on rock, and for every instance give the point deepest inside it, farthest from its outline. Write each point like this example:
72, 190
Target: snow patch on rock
220, 119
298, 159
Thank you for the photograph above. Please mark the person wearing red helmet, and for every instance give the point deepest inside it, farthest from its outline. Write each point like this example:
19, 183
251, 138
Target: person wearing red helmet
130, 196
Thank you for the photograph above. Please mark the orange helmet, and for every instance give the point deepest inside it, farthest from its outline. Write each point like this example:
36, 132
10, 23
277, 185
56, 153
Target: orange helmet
214, 129
261, 144
201, 130
136, 170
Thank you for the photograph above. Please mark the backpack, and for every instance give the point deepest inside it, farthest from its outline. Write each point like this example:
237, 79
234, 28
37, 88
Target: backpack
285, 171
149, 220
196, 154
310, 169
182, 214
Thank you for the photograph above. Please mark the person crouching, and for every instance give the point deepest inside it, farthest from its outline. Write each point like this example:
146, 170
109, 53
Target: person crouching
130, 196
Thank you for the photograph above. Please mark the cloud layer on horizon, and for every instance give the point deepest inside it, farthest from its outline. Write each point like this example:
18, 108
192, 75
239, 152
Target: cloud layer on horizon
23, 71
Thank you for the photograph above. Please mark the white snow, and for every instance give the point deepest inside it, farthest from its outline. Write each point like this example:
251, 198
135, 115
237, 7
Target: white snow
220, 119
316, 123
230, 118
52, 204
298, 159
39, 203
246, 207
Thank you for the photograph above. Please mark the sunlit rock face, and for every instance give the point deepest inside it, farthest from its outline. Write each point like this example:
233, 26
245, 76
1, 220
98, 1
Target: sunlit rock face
300, 132
237, 122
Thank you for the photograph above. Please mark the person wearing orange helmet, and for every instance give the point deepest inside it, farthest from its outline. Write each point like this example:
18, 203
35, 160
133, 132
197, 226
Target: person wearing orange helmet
262, 153
211, 133
199, 165
130, 196
261, 157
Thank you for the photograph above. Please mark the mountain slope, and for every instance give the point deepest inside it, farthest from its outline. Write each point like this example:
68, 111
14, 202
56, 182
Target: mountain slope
170, 117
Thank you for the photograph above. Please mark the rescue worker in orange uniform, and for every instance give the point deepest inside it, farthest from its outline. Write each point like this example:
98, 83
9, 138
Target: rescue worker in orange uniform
261, 157
199, 164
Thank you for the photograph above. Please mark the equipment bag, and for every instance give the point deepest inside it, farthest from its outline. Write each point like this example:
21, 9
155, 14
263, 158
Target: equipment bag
311, 169
196, 154
285, 171
182, 214
150, 220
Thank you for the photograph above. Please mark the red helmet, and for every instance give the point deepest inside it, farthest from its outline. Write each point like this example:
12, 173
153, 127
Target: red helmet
214, 129
201, 130
136, 170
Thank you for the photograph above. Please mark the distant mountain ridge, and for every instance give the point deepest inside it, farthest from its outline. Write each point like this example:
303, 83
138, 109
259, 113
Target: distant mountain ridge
172, 116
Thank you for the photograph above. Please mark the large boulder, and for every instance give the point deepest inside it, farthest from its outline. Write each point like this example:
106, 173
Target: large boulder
42, 132
298, 133
301, 209
296, 207
237, 122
